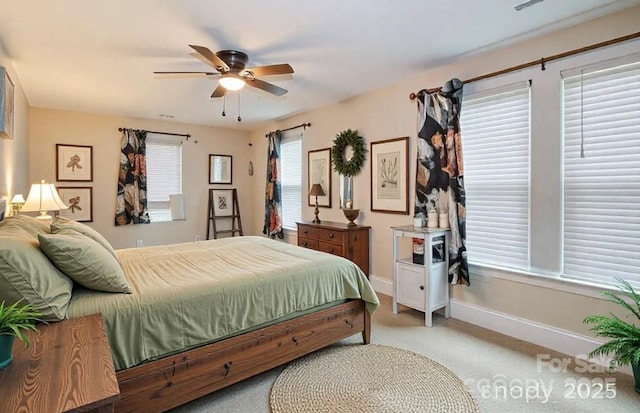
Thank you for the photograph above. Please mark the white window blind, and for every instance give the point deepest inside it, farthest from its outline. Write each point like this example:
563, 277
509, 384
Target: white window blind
495, 131
602, 188
164, 175
291, 179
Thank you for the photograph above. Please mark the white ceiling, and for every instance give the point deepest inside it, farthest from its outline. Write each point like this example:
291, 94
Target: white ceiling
98, 56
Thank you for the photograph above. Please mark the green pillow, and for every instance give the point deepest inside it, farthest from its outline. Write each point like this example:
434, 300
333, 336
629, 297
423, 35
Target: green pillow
30, 224
64, 223
26, 274
85, 261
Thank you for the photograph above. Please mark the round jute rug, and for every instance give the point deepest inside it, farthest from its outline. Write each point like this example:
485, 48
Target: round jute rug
371, 379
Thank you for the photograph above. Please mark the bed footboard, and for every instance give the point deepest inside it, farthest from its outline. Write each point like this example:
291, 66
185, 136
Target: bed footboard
169, 382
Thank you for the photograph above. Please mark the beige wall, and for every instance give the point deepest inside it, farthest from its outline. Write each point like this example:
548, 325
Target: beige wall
49, 127
14, 153
388, 113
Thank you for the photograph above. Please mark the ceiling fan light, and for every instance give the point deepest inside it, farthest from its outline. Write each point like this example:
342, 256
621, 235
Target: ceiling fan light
231, 82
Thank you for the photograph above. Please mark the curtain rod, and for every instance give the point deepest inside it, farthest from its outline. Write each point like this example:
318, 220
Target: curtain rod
541, 61
186, 135
302, 125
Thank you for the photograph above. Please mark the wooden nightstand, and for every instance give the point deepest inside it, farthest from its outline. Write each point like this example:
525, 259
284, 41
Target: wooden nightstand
337, 239
67, 368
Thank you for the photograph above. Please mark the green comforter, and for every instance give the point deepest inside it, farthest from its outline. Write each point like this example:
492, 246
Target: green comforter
185, 295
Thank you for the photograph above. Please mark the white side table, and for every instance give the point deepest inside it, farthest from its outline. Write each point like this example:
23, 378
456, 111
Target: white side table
424, 287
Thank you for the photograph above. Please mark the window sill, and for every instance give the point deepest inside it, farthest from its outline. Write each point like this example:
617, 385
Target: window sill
550, 280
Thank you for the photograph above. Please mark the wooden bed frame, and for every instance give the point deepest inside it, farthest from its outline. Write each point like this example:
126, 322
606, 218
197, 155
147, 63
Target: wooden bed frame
172, 381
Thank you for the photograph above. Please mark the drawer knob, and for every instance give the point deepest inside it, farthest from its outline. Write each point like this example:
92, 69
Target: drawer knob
331, 235
306, 231
422, 287
330, 249
304, 244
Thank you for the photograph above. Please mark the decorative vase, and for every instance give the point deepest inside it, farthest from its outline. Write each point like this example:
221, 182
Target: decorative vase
443, 220
6, 350
432, 219
351, 215
636, 376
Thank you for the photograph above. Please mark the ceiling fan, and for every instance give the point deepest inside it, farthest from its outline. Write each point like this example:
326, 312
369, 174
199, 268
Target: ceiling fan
234, 75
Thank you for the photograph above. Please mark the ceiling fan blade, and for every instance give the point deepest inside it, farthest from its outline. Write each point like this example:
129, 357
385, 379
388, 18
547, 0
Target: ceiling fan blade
188, 74
211, 57
281, 69
267, 87
219, 92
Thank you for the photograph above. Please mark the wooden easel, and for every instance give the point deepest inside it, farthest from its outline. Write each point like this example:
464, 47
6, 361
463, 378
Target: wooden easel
236, 221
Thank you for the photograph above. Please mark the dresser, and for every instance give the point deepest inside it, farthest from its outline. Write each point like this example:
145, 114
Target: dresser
338, 239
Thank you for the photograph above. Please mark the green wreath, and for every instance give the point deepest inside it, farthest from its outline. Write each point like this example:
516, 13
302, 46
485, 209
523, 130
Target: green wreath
354, 165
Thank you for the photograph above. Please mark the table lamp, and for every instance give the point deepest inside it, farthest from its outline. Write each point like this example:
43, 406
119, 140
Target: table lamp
43, 197
316, 190
16, 203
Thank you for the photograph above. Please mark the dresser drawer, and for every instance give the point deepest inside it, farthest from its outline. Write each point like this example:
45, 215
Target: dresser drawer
329, 235
334, 249
308, 243
305, 231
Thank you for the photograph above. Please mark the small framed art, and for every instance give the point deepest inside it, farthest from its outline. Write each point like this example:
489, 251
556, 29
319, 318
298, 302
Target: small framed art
319, 172
80, 202
6, 104
220, 169
74, 163
390, 176
223, 202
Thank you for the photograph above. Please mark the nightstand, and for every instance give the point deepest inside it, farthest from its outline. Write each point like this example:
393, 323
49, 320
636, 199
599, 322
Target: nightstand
67, 368
421, 284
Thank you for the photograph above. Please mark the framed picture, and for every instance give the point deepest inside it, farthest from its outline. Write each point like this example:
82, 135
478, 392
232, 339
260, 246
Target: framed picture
319, 171
74, 163
6, 104
220, 169
390, 176
80, 202
222, 202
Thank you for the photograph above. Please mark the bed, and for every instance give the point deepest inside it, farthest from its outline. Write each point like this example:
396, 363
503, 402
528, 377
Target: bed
205, 315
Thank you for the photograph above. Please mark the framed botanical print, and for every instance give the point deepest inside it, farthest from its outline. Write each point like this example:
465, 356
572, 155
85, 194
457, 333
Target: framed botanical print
223, 202
80, 202
74, 163
220, 169
319, 172
6, 104
390, 176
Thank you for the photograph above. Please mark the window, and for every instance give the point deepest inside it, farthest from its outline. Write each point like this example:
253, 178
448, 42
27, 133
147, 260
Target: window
164, 175
495, 130
601, 107
291, 179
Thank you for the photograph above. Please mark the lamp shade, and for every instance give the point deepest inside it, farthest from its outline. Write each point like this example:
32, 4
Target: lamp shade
316, 189
231, 81
17, 199
43, 197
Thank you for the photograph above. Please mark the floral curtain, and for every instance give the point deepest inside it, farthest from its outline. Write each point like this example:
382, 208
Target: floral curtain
131, 204
440, 169
272, 206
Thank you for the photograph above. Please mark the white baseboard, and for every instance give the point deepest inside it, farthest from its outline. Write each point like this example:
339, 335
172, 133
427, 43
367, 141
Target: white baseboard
554, 338
381, 285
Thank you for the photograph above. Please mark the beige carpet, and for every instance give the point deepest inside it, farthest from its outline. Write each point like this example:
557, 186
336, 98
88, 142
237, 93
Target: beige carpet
369, 379
482, 358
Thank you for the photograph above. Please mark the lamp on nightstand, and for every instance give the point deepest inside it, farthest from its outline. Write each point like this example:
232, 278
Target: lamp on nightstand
43, 197
316, 190
16, 203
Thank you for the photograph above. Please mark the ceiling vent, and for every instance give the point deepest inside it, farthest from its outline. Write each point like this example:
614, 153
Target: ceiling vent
526, 4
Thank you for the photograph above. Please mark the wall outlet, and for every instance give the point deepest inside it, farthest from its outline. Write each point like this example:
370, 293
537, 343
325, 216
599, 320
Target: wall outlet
139, 243
197, 238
